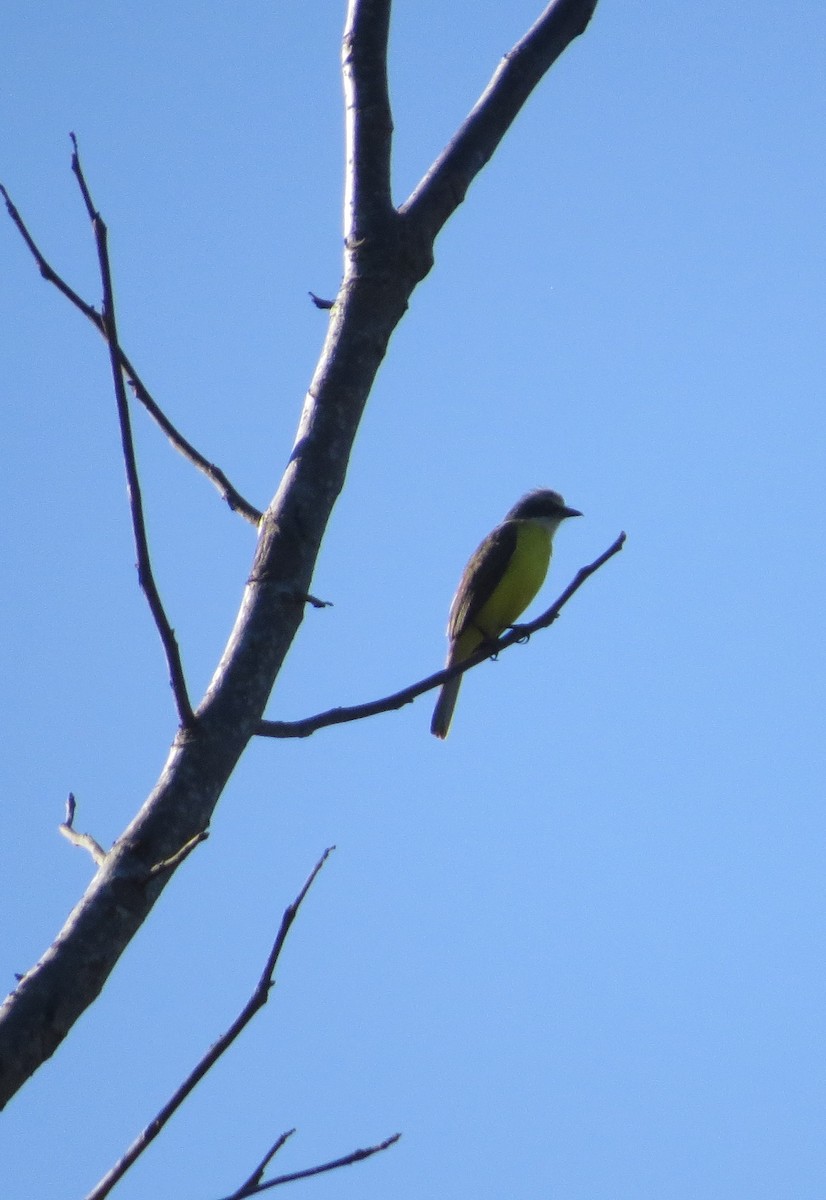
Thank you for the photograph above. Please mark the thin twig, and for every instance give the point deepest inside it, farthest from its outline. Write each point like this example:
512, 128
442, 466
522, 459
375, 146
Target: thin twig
319, 303
230, 493
255, 1178
145, 575
313, 601
84, 840
233, 497
256, 1002
357, 712
46, 270
175, 860
346, 1161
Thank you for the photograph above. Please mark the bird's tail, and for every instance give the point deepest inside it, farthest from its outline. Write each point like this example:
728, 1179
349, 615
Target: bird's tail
443, 712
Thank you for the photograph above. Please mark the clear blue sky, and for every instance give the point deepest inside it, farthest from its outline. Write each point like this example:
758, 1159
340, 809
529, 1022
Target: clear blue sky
577, 950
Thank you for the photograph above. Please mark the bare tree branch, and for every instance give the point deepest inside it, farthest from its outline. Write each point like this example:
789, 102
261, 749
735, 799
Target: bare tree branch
231, 494
369, 121
145, 574
445, 185
382, 266
256, 1002
235, 501
346, 1161
520, 633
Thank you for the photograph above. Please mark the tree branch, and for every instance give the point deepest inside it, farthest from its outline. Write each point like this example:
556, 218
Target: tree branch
231, 494
368, 119
256, 1002
445, 185
145, 574
520, 633
235, 501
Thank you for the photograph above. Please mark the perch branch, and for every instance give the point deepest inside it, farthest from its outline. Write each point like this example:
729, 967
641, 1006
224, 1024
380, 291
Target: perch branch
256, 1002
356, 712
145, 575
231, 494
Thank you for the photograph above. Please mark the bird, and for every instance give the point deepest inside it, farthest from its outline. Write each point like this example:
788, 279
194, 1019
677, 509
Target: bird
498, 584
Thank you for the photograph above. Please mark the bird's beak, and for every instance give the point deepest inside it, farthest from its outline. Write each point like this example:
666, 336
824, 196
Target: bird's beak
571, 512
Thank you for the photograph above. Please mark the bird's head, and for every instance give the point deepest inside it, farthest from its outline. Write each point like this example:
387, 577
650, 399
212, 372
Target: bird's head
542, 505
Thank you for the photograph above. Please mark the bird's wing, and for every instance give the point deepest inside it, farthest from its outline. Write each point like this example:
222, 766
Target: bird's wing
481, 577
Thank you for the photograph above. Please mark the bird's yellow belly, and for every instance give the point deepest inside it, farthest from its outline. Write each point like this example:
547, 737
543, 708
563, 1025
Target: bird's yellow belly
519, 584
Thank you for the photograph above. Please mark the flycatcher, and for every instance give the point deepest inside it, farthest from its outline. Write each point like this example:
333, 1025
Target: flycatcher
498, 584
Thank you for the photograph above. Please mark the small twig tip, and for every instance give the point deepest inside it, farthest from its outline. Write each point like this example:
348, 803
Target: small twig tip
319, 302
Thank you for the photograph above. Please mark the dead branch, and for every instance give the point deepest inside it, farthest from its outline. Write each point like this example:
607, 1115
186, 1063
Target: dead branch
230, 493
445, 185
146, 577
255, 1003
368, 205
255, 1178
347, 1161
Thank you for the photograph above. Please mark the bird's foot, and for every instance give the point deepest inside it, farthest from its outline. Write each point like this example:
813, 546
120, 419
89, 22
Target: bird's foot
523, 631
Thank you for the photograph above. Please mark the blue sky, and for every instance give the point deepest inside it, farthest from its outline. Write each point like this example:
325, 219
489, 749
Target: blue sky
577, 950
